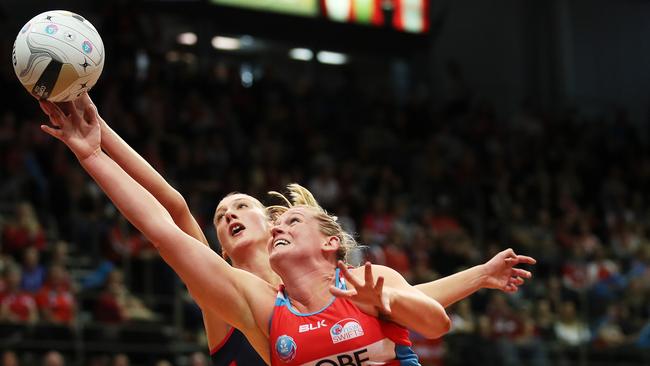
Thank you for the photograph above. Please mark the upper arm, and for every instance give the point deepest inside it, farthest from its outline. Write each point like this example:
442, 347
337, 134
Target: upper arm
238, 297
392, 278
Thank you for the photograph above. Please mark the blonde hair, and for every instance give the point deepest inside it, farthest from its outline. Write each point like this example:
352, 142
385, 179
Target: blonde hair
300, 196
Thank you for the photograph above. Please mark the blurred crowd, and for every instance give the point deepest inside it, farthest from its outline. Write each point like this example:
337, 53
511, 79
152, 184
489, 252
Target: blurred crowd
429, 185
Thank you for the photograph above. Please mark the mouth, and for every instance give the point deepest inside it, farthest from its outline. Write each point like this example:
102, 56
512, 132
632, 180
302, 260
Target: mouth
280, 242
236, 229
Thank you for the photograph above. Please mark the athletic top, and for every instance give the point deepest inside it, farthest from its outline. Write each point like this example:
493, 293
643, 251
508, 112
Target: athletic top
340, 334
235, 350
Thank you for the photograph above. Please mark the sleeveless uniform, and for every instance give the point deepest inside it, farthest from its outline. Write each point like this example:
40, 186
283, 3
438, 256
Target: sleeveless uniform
338, 335
235, 350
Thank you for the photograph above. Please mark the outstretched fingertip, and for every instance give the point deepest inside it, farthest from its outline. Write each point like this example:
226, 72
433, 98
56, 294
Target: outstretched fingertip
51, 131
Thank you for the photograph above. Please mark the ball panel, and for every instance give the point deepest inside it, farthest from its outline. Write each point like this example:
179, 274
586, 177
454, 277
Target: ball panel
45, 84
68, 76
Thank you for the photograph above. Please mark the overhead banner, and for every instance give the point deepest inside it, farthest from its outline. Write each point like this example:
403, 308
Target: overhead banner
307, 8
404, 15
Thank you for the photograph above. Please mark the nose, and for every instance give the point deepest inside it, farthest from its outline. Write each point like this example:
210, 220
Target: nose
276, 230
230, 216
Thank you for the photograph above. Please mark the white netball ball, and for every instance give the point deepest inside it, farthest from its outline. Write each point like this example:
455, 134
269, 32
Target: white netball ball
58, 55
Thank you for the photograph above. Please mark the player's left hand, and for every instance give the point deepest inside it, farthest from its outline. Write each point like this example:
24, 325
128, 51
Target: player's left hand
80, 132
369, 293
500, 272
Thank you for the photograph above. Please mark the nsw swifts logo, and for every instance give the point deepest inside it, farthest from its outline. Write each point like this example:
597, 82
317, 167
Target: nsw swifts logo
345, 329
286, 348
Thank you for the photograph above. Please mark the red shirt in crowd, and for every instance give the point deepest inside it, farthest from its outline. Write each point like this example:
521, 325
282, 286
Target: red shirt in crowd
20, 304
58, 301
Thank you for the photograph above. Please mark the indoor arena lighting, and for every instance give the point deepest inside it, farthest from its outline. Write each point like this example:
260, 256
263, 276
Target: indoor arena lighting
226, 43
302, 54
332, 58
187, 38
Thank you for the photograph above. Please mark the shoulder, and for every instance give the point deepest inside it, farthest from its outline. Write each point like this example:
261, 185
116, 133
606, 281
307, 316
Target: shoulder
391, 276
377, 270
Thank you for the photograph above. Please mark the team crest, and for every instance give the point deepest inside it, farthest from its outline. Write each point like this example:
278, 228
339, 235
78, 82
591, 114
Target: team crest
286, 348
345, 329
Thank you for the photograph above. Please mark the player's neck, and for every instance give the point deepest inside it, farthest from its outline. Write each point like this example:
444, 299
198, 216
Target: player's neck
308, 289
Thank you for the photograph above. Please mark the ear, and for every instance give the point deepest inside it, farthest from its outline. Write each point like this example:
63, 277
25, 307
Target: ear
225, 256
332, 244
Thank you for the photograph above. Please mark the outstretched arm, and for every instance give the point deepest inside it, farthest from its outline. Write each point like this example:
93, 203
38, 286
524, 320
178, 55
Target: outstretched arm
143, 173
498, 273
239, 297
397, 300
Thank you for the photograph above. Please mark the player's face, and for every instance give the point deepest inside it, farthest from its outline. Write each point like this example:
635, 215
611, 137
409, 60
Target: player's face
240, 220
296, 231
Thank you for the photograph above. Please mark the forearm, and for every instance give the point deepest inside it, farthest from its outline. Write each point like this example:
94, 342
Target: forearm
450, 289
143, 173
417, 312
136, 203
135, 165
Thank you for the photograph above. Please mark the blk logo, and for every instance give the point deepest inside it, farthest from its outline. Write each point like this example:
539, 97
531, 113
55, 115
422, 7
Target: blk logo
307, 327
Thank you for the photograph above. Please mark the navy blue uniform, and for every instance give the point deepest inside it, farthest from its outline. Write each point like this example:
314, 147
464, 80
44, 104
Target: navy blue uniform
235, 351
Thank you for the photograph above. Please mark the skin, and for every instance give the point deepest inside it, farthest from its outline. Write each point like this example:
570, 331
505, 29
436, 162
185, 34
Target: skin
244, 249
240, 298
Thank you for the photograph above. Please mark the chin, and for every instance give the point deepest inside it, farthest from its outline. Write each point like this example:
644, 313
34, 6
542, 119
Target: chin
275, 260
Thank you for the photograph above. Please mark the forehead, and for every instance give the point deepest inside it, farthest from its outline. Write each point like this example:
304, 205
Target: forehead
229, 200
298, 210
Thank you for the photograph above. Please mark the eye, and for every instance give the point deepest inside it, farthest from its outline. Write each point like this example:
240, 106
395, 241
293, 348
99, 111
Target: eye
294, 220
219, 217
242, 205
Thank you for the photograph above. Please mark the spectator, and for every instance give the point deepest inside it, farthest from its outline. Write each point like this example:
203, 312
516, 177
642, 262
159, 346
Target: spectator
33, 272
16, 305
117, 305
379, 220
569, 329
613, 329
59, 254
462, 318
325, 186
9, 358
23, 231
545, 319
198, 359
53, 358
56, 300
121, 359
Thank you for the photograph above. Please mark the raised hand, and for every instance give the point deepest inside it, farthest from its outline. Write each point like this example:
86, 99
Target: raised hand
84, 102
500, 272
367, 294
80, 132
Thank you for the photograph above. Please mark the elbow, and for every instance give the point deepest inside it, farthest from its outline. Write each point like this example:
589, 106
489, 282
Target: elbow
176, 204
445, 325
437, 327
